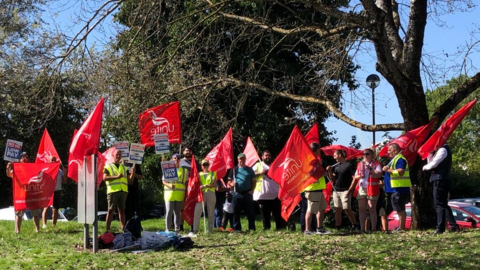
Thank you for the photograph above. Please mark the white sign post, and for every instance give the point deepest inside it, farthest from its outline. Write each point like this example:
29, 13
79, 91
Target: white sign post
87, 199
13, 151
162, 146
137, 150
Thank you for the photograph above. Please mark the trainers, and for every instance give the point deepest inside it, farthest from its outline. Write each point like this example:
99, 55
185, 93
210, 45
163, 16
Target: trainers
221, 229
44, 226
230, 230
437, 231
323, 231
191, 234
308, 233
455, 229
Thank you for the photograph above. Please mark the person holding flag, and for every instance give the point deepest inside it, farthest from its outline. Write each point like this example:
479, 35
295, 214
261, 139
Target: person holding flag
61, 178
397, 180
209, 181
439, 165
266, 193
174, 195
242, 179
316, 203
117, 177
342, 177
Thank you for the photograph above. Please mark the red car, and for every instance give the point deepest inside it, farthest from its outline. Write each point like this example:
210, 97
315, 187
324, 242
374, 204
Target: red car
466, 215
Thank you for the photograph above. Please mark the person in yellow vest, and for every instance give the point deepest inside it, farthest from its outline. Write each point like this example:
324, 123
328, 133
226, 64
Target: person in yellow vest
208, 180
316, 203
116, 178
266, 193
174, 195
397, 179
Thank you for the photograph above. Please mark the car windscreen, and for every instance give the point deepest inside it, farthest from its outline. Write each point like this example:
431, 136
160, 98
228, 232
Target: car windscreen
472, 209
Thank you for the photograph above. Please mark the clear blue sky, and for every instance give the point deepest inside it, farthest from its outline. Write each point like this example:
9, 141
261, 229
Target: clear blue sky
439, 41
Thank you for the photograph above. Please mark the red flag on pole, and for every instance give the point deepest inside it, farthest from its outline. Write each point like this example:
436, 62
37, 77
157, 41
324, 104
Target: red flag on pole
352, 153
194, 193
295, 168
164, 118
221, 156
444, 131
34, 184
410, 142
73, 164
86, 141
312, 135
251, 153
327, 193
46, 149
288, 204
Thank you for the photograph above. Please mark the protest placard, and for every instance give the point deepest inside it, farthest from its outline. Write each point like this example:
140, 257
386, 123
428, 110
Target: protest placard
124, 147
169, 171
162, 146
137, 150
13, 151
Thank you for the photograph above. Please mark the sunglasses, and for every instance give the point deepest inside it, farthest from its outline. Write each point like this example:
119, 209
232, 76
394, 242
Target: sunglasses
366, 154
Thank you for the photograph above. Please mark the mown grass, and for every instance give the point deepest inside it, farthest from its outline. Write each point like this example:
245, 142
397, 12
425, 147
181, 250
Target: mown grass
61, 248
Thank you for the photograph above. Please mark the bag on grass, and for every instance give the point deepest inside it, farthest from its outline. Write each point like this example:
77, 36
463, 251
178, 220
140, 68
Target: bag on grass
153, 240
134, 226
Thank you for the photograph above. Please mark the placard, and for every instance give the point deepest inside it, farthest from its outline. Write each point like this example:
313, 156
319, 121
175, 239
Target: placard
162, 146
13, 151
124, 147
169, 171
137, 150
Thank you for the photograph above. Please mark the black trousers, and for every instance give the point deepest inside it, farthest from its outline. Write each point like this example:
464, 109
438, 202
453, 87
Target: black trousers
269, 208
440, 200
244, 201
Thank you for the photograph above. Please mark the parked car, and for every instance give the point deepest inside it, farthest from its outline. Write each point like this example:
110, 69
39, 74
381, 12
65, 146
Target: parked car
472, 201
158, 211
69, 213
9, 214
466, 215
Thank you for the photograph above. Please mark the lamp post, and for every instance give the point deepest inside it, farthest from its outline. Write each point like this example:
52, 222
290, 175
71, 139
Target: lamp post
373, 81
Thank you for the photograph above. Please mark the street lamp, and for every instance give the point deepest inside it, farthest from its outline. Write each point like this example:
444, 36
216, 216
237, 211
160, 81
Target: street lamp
373, 81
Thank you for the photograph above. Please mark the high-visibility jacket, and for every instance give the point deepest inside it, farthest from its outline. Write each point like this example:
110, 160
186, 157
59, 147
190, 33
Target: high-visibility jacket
176, 194
373, 184
208, 179
259, 178
120, 184
397, 181
317, 185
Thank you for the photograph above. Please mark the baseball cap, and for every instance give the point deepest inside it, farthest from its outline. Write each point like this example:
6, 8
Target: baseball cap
241, 155
205, 161
24, 154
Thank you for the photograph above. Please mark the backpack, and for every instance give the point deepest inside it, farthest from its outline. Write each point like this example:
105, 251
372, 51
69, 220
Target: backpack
134, 226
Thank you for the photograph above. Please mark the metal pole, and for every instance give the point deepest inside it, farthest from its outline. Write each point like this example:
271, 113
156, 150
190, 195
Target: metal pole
85, 225
95, 223
373, 111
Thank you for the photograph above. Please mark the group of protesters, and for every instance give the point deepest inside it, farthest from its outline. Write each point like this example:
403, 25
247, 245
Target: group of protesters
225, 200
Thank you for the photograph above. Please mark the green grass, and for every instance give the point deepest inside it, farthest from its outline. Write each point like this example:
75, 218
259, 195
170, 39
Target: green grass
61, 248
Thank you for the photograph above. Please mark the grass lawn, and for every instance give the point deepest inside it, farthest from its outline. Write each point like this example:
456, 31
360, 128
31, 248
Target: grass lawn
61, 248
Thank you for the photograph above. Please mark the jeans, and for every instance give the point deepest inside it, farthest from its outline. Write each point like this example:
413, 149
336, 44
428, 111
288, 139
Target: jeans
244, 201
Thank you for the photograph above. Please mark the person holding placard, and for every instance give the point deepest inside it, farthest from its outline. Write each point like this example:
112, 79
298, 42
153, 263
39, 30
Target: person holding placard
174, 195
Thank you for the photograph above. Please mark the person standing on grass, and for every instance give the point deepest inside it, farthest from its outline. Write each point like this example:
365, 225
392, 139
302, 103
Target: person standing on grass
61, 178
316, 201
439, 164
397, 179
131, 207
116, 178
174, 195
342, 177
209, 181
242, 179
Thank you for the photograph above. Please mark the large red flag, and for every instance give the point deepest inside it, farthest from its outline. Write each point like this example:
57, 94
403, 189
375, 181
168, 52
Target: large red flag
194, 194
46, 149
34, 184
73, 164
312, 135
87, 139
288, 204
327, 193
444, 131
164, 118
221, 156
251, 153
352, 153
410, 142
294, 169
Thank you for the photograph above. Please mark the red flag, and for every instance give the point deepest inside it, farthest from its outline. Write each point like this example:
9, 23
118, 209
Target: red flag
87, 139
46, 149
73, 164
444, 131
251, 153
312, 135
296, 166
194, 194
409, 142
352, 153
34, 184
327, 193
164, 118
288, 204
109, 154
221, 156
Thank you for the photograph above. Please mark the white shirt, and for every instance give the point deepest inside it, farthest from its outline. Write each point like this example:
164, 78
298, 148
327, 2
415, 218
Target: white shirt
434, 161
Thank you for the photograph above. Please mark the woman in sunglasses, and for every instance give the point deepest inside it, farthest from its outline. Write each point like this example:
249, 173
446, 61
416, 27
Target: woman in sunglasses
368, 174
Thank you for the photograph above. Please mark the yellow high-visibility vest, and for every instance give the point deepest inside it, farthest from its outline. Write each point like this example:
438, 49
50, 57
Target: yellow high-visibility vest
397, 181
208, 179
176, 194
318, 185
116, 185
